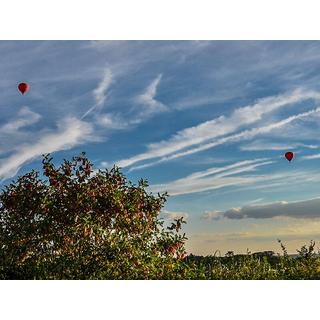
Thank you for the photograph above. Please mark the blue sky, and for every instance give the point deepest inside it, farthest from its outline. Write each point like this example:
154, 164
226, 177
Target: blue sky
208, 121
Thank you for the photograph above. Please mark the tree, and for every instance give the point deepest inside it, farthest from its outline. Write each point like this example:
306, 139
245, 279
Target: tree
78, 224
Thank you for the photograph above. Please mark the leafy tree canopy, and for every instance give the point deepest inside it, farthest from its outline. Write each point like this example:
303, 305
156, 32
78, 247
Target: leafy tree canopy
75, 223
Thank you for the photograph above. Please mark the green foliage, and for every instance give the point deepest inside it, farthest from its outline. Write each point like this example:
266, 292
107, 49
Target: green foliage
77, 224
251, 267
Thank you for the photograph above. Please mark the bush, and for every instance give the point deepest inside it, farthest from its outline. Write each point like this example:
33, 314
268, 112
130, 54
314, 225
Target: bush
80, 224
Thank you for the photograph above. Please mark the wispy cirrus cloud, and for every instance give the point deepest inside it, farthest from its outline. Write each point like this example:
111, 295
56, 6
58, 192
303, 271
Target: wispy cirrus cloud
146, 106
24, 118
260, 145
100, 92
14, 131
218, 127
226, 169
70, 132
307, 209
244, 135
213, 178
111, 121
311, 156
193, 101
148, 97
279, 181
148, 102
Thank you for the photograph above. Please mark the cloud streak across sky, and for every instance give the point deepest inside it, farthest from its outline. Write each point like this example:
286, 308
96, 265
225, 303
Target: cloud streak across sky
25, 117
100, 92
222, 126
213, 178
70, 132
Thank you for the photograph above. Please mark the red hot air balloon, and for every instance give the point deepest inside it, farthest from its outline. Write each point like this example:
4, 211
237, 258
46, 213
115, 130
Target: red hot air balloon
289, 155
23, 87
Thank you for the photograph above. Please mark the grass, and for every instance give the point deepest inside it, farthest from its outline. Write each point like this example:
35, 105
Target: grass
306, 266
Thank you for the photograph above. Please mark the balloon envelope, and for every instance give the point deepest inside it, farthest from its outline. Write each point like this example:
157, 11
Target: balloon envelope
23, 87
289, 155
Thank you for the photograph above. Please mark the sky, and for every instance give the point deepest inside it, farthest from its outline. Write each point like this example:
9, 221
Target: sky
207, 121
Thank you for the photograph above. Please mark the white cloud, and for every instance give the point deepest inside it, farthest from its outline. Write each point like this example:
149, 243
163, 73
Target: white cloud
146, 106
307, 209
246, 134
213, 178
227, 168
13, 131
267, 145
148, 98
311, 157
148, 101
280, 181
71, 132
100, 92
198, 101
218, 127
25, 117
111, 121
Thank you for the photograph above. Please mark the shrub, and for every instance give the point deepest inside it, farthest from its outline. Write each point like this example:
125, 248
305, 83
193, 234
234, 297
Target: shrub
79, 224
